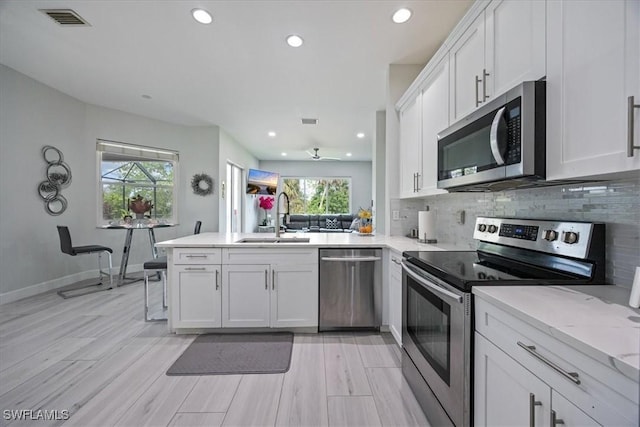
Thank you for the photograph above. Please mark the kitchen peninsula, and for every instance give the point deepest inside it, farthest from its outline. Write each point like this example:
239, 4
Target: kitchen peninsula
218, 280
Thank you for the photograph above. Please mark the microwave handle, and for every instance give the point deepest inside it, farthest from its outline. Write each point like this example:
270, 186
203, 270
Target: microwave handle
496, 138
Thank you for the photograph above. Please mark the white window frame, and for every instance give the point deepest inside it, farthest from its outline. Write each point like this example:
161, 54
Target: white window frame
142, 151
346, 178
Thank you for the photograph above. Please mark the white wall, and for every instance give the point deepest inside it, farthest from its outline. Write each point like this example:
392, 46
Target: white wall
379, 173
232, 151
359, 172
33, 115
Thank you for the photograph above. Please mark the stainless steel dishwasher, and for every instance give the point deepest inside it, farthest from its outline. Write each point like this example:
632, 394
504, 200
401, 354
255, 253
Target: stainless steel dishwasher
350, 289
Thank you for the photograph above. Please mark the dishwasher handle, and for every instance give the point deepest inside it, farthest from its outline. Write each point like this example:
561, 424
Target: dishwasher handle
351, 259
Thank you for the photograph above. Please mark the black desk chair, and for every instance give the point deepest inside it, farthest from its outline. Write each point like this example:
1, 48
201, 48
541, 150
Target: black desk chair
67, 247
159, 265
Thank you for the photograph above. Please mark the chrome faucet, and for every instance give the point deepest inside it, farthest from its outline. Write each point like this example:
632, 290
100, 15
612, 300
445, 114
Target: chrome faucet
286, 214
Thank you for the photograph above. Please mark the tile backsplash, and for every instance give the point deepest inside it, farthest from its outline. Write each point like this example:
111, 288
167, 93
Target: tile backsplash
616, 203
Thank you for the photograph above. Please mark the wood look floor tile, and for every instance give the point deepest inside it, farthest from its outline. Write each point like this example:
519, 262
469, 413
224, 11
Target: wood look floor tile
353, 411
343, 366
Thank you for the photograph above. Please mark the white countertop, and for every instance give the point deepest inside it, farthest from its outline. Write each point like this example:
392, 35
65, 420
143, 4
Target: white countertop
396, 243
595, 320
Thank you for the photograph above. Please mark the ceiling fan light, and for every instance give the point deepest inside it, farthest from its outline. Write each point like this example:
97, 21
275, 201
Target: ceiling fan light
202, 16
401, 15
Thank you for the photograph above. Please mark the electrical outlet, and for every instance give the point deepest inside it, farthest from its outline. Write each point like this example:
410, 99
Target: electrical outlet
395, 215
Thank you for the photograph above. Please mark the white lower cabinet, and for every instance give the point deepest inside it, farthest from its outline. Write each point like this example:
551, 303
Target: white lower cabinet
294, 295
525, 377
197, 300
280, 294
395, 296
245, 296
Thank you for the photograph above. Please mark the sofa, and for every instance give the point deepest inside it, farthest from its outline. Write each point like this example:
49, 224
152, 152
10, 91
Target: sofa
338, 223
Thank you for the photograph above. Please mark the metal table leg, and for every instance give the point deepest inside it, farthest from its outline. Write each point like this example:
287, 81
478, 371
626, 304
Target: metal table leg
125, 257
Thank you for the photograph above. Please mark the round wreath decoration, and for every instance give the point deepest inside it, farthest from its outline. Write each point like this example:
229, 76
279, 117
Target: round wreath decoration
202, 184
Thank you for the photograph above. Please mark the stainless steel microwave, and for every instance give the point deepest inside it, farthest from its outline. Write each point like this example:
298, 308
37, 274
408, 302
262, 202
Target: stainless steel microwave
499, 146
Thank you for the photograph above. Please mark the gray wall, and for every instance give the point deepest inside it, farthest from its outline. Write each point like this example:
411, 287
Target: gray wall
616, 203
359, 172
33, 115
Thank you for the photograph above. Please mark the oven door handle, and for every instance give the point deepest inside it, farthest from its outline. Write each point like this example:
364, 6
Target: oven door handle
431, 286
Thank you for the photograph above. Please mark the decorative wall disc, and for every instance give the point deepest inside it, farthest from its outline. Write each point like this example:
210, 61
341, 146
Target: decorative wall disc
202, 184
58, 176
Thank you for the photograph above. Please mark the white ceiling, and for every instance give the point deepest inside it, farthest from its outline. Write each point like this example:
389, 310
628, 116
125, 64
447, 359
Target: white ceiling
237, 72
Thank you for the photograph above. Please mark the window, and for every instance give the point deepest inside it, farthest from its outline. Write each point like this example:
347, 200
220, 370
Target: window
318, 195
126, 171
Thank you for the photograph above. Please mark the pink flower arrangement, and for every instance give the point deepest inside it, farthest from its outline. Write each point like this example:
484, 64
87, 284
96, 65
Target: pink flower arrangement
266, 203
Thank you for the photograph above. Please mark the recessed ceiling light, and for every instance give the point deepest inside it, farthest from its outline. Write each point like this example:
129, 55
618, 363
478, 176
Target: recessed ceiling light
360, 135
401, 15
348, 154
283, 154
202, 16
294, 40
271, 134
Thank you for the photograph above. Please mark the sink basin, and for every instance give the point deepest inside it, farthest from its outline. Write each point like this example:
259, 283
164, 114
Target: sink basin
274, 240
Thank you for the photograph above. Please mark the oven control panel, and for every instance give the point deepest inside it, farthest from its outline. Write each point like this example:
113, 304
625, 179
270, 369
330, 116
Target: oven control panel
558, 237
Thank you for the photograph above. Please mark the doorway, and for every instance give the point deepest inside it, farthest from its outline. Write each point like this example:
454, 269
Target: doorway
235, 191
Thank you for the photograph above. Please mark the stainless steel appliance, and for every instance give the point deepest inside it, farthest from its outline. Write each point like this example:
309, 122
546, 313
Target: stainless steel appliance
350, 289
500, 145
437, 304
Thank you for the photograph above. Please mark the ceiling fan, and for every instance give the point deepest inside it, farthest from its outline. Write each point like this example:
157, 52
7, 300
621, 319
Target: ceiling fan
316, 156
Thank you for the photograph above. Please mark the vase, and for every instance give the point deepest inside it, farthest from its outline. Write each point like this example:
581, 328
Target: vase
140, 216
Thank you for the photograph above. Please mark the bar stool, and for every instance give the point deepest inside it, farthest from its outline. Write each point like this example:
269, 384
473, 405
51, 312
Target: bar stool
67, 247
159, 265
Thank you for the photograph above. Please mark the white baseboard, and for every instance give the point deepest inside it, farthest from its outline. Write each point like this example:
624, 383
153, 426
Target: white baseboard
58, 283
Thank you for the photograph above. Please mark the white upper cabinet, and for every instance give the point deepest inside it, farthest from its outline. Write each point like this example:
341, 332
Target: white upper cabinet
504, 46
593, 55
410, 148
514, 43
466, 67
435, 118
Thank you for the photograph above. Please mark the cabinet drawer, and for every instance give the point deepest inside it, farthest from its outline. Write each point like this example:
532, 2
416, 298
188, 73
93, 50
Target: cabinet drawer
599, 390
284, 256
196, 256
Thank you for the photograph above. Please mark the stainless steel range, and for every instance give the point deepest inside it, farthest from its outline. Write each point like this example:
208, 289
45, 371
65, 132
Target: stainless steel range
437, 305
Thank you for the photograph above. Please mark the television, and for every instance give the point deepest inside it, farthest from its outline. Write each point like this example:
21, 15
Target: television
262, 182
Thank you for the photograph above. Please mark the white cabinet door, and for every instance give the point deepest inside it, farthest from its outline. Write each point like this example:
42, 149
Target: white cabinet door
505, 393
245, 296
410, 148
395, 296
435, 118
515, 43
466, 62
197, 299
592, 68
294, 295
567, 414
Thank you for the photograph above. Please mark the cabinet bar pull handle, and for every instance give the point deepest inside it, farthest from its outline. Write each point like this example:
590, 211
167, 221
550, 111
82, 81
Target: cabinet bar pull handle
484, 84
531, 349
631, 106
478, 102
554, 419
273, 279
196, 256
196, 268
217, 279
417, 182
395, 260
532, 409
266, 279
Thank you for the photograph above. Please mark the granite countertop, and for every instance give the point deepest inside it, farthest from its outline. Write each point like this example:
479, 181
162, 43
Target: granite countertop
224, 240
595, 320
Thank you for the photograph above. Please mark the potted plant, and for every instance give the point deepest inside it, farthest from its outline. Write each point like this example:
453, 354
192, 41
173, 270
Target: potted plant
139, 206
266, 203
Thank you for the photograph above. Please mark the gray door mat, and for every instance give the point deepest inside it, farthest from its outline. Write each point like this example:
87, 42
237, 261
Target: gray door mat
228, 354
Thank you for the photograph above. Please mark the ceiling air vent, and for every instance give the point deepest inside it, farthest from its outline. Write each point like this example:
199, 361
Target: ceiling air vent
309, 121
65, 17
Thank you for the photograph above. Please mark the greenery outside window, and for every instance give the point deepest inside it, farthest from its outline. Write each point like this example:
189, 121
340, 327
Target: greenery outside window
126, 171
318, 195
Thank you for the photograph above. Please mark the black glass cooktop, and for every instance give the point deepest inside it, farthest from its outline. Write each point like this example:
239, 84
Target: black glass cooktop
464, 269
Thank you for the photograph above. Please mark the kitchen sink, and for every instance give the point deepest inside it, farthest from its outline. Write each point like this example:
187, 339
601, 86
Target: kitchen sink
274, 240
